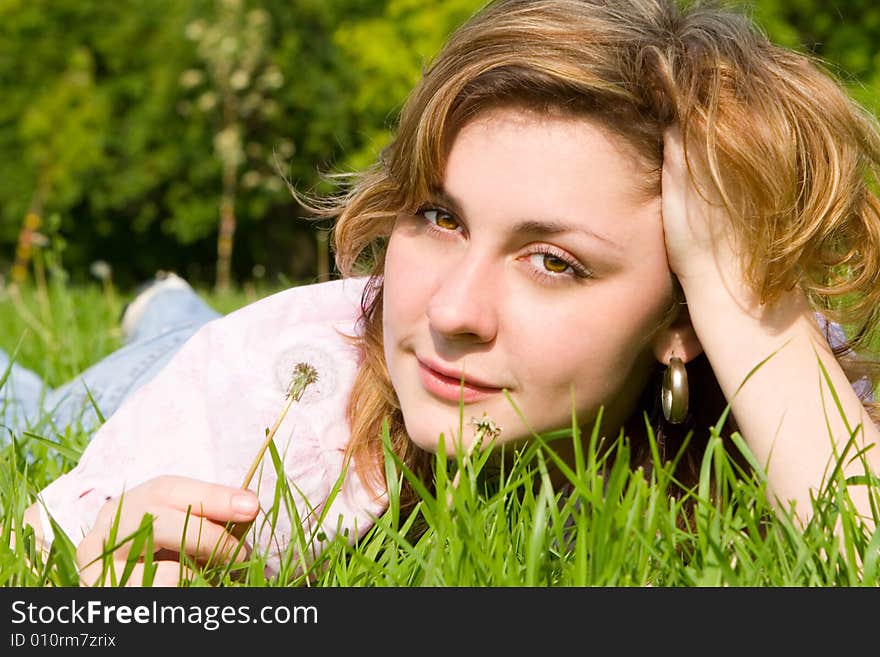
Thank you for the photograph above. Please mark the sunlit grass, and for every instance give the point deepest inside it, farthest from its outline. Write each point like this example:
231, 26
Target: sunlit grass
612, 526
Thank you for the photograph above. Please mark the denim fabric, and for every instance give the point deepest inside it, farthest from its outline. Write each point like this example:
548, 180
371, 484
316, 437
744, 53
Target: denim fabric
19, 397
168, 319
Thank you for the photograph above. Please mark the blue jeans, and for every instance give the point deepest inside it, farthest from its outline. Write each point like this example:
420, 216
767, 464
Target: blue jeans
169, 318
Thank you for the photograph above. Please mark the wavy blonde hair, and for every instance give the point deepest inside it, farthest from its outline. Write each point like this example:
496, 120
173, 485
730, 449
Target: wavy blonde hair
790, 154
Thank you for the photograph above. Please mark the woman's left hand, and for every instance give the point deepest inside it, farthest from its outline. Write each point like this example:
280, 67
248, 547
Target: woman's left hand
699, 240
766, 356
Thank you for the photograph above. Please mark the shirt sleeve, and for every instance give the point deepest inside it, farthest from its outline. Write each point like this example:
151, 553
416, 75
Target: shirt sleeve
207, 412
836, 338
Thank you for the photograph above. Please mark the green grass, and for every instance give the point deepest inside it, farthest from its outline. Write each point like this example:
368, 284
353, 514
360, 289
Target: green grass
616, 527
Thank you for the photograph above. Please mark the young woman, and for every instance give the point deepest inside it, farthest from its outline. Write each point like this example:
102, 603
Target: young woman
586, 205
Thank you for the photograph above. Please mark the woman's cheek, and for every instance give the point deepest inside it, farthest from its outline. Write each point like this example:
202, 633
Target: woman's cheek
404, 275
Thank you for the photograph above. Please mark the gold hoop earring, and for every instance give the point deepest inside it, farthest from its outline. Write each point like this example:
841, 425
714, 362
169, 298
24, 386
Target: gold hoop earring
674, 393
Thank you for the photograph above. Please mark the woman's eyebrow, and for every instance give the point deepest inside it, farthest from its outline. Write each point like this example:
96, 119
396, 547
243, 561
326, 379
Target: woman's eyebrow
558, 227
448, 200
531, 226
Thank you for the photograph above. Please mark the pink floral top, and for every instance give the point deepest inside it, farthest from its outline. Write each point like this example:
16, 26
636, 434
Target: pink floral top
206, 413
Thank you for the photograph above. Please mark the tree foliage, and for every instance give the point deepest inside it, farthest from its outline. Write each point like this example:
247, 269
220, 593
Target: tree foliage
845, 34
113, 117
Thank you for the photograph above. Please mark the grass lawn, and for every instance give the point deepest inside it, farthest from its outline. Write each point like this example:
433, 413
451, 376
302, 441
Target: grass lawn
616, 527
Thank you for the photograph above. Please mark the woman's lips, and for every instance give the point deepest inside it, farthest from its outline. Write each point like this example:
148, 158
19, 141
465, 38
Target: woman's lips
451, 389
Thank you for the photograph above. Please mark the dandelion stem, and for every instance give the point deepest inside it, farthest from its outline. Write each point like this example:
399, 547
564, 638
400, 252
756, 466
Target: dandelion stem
485, 430
303, 376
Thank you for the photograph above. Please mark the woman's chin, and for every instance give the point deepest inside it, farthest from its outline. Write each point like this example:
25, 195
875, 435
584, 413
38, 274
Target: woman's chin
430, 440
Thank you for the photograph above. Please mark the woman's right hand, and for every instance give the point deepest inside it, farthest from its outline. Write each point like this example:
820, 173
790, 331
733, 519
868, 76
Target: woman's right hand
186, 513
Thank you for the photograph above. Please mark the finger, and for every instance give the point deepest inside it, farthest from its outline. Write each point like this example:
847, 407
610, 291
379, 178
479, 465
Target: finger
92, 553
675, 190
162, 574
674, 166
685, 174
672, 140
205, 499
214, 501
198, 537
172, 530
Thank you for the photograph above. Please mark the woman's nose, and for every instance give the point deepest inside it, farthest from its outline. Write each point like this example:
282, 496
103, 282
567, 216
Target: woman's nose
464, 303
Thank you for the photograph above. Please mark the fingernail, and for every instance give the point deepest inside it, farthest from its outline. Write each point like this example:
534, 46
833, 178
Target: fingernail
244, 505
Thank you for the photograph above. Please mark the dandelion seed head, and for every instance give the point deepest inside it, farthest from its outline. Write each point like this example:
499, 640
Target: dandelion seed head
304, 374
101, 270
485, 429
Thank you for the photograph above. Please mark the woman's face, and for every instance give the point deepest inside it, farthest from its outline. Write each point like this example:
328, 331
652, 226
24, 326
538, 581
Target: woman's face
537, 269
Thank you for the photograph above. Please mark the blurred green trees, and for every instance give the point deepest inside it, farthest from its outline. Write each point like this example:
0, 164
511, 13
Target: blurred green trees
138, 123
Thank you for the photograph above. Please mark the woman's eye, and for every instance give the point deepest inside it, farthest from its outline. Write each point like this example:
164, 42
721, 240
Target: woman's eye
440, 218
554, 264
550, 263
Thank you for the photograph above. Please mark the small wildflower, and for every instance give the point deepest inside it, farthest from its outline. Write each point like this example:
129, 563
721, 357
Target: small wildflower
302, 377
304, 374
101, 270
484, 429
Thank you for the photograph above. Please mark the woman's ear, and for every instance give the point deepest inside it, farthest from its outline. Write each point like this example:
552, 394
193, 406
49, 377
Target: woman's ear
677, 339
